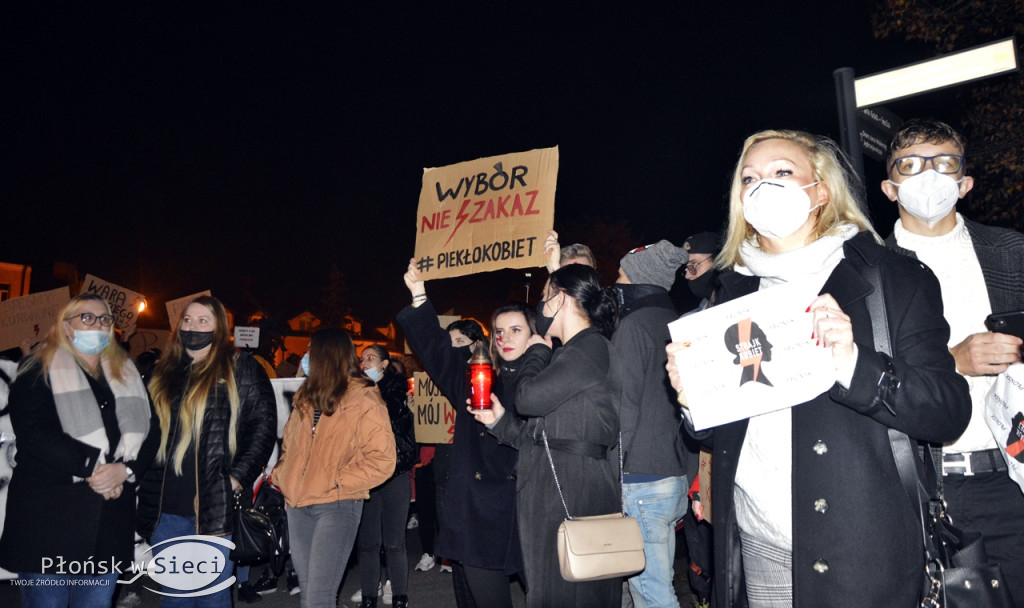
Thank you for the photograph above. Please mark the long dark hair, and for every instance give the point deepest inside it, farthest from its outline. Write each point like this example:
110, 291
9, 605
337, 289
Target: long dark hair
531, 322
584, 285
333, 366
384, 355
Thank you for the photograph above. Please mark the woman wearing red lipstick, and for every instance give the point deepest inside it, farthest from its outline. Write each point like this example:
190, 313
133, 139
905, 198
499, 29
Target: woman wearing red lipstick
478, 522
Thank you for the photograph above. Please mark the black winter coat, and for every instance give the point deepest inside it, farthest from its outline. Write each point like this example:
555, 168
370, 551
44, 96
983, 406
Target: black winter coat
573, 394
256, 434
856, 538
48, 514
394, 390
478, 527
649, 414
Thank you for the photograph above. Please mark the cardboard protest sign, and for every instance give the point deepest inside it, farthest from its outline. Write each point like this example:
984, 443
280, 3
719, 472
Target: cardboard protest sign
145, 339
435, 417
486, 214
30, 316
176, 307
704, 475
751, 356
247, 337
1004, 413
124, 303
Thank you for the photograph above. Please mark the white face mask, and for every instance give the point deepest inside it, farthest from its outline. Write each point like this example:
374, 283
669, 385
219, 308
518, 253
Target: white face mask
777, 208
929, 196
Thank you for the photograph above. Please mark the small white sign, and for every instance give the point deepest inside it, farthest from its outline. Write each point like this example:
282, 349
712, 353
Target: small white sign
247, 337
751, 356
1004, 413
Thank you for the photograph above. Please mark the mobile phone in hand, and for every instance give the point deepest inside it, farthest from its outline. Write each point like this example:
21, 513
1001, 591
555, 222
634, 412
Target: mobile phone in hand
1011, 323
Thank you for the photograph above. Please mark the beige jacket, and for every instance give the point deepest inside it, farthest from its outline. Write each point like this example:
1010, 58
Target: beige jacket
352, 450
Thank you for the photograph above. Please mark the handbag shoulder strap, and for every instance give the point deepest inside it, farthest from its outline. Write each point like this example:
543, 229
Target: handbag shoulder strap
547, 450
902, 448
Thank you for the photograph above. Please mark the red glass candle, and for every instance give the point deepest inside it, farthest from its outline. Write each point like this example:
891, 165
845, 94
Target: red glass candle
480, 377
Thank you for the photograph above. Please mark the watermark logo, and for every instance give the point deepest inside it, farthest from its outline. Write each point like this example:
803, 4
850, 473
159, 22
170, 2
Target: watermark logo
186, 566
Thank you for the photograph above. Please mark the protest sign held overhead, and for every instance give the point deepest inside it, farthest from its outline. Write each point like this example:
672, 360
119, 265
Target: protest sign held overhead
751, 356
124, 303
247, 337
486, 214
176, 307
30, 316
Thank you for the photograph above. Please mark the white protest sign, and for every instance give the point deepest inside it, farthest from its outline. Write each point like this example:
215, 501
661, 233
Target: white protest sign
751, 356
176, 307
1004, 413
145, 339
124, 303
247, 337
284, 390
30, 316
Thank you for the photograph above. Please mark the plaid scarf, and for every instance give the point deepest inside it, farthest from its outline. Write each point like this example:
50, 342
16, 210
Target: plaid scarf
80, 414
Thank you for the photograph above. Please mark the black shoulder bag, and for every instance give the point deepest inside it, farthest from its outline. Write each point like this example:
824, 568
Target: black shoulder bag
260, 530
958, 573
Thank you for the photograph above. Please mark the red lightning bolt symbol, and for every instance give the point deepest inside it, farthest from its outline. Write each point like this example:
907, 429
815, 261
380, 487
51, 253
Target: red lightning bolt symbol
461, 216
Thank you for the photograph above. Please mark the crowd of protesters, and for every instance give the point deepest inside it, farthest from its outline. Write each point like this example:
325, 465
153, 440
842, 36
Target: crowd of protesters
586, 379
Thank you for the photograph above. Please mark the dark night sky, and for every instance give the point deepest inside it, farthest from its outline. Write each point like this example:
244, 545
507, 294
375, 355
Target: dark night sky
247, 148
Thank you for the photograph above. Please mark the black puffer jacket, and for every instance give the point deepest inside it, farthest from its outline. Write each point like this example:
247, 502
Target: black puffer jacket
393, 389
256, 433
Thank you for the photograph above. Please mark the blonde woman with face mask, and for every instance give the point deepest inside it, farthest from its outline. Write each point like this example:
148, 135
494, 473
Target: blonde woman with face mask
789, 486
218, 424
81, 415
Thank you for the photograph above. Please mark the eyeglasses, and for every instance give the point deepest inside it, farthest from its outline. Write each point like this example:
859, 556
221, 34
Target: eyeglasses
692, 267
942, 163
88, 319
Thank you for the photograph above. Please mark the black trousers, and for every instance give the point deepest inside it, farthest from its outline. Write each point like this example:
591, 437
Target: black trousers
991, 503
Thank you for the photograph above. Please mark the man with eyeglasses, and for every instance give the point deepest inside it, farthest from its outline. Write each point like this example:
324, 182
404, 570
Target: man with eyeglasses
701, 275
981, 270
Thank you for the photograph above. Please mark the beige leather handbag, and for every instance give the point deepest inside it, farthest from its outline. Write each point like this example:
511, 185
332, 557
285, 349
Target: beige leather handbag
599, 546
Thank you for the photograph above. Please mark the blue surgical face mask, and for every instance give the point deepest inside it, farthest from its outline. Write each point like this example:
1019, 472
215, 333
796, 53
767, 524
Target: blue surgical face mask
304, 364
91, 341
374, 373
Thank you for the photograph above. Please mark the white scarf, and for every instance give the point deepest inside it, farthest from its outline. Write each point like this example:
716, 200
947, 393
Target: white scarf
812, 262
79, 413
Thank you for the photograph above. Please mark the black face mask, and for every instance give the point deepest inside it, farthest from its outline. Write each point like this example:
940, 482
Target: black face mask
195, 340
704, 285
543, 321
465, 352
631, 293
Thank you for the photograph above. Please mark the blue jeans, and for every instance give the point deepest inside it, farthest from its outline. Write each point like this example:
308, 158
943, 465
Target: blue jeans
321, 539
172, 526
62, 590
657, 506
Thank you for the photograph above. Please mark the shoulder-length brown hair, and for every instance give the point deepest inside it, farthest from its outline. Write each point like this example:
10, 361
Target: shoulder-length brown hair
214, 373
333, 366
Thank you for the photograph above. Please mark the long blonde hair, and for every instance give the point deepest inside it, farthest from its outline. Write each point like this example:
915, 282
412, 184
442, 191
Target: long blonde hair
828, 166
57, 340
214, 373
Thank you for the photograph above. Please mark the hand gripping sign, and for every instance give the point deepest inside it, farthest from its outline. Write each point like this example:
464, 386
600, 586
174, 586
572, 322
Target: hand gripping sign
486, 214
